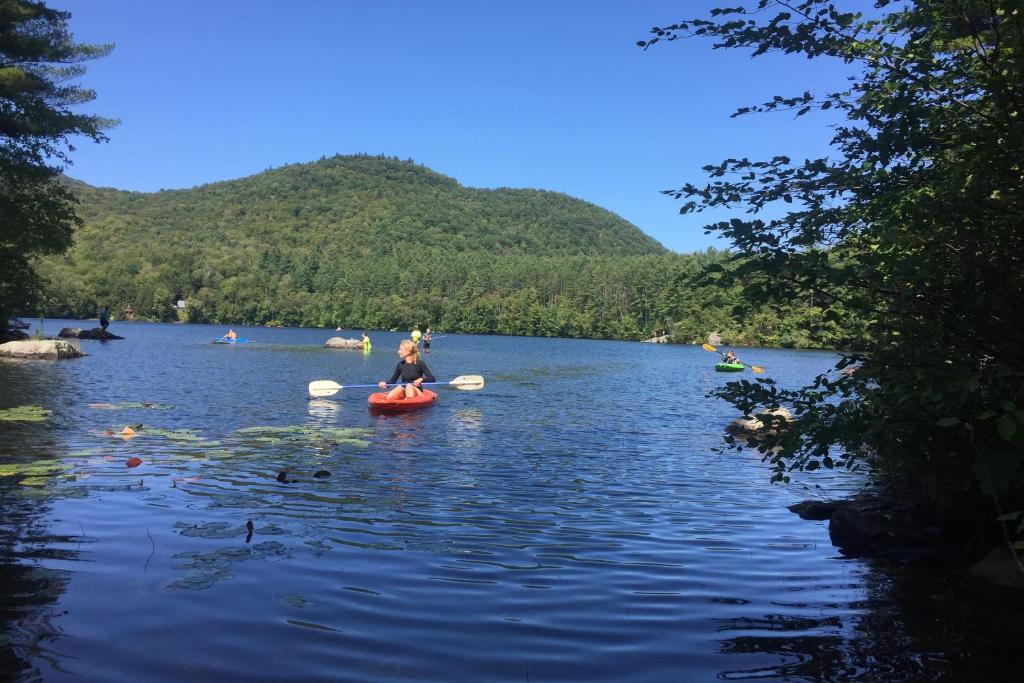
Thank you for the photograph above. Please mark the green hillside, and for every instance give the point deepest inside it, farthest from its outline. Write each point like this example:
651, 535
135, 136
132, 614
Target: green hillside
380, 243
359, 206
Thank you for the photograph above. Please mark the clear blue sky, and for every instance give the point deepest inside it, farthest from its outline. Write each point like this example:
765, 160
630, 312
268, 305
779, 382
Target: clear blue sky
542, 94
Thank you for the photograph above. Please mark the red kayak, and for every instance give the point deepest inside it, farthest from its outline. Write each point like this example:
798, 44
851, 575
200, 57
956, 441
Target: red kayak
380, 403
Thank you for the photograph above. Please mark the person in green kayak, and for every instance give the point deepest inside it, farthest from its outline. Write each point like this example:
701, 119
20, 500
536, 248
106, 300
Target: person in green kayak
730, 357
411, 369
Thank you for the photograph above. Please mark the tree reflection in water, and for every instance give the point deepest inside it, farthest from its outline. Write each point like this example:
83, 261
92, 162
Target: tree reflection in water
29, 591
914, 625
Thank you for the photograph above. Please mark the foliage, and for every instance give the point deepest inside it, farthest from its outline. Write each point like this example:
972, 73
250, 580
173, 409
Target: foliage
914, 226
38, 59
378, 243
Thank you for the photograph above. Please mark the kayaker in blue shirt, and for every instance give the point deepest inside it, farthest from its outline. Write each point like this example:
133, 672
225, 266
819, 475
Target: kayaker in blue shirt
411, 369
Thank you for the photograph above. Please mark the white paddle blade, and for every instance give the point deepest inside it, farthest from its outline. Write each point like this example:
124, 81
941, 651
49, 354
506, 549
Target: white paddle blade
323, 387
468, 382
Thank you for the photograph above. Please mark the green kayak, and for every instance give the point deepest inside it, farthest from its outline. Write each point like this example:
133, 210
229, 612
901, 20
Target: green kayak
729, 367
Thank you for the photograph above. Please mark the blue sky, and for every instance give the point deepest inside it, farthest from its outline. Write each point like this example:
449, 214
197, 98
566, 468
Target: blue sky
548, 94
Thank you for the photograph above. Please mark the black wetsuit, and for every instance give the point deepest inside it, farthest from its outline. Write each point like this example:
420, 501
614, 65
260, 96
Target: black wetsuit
410, 372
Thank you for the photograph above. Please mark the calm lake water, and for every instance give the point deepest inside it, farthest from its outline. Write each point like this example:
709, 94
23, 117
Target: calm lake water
575, 520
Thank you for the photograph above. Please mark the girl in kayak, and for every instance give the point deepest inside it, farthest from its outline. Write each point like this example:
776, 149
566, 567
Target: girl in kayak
730, 357
411, 369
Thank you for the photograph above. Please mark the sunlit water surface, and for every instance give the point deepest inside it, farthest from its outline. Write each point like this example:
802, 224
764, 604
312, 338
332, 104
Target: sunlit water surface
576, 520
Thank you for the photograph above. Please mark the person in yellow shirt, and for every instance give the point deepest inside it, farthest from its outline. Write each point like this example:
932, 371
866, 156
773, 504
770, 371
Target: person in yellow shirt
366, 342
416, 334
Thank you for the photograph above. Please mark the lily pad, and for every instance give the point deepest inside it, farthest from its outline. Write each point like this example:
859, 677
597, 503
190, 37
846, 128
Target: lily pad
212, 530
293, 600
128, 405
272, 435
24, 414
36, 468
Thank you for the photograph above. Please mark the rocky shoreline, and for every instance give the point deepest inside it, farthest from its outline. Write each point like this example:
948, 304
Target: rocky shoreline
872, 526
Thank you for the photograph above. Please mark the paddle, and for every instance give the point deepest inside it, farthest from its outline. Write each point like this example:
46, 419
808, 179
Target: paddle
325, 387
757, 369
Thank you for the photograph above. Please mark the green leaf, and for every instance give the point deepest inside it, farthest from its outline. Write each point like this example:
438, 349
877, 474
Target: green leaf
948, 421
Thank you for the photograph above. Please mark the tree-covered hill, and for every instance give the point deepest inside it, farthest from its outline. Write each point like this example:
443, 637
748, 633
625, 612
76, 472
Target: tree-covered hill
379, 243
359, 206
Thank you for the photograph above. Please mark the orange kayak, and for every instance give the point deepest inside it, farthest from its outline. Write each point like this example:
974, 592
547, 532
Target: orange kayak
379, 402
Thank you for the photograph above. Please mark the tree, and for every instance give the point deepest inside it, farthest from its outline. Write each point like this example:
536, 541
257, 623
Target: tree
38, 61
916, 225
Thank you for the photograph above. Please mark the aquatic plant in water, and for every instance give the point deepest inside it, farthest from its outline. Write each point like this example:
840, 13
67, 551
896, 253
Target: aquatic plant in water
128, 405
305, 433
24, 414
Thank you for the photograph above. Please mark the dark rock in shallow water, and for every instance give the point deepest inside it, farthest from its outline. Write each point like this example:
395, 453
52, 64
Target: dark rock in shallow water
817, 510
79, 333
853, 531
998, 573
320, 474
12, 335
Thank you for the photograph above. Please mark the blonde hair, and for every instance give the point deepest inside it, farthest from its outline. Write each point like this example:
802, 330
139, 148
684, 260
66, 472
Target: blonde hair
415, 350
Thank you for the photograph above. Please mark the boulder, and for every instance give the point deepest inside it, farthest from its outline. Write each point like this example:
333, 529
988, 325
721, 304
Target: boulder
715, 339
661, 339
998, 572
46, 349
342, 343
817, 510
853, 531
751, 424
12, 335
78, 333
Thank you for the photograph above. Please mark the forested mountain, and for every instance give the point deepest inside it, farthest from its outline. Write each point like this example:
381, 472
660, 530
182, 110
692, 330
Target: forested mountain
380, 243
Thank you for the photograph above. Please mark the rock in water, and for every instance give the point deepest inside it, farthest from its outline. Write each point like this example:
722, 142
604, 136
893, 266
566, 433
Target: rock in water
44, 349
342, 343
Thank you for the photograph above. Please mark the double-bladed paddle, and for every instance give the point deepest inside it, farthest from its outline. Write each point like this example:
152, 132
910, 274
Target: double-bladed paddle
757, 369
325, 387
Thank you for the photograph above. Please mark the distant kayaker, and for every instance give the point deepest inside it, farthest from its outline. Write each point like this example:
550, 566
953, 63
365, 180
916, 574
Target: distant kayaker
730, 357
415, 335
426, 341
411, 369
104, 318
229, 336
366, 341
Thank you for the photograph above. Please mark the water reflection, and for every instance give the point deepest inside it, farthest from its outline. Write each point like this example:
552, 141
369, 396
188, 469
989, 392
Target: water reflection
496, 535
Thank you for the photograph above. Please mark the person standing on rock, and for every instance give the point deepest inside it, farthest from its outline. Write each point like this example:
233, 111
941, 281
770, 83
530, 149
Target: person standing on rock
104, 319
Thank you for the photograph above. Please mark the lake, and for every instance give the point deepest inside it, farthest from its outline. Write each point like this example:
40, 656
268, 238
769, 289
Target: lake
575, 520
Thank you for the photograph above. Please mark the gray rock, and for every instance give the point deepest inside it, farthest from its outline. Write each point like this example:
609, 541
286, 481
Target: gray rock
997, 572
79, 333
817, 510
342, 343
45, 349
853, 531
751, 424
715, 339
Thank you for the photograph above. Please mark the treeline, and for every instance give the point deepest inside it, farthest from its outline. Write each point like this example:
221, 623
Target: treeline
557, 296
379, 243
